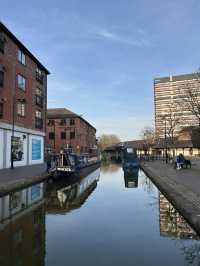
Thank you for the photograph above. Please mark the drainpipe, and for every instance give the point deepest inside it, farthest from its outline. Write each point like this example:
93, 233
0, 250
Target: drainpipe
13, 118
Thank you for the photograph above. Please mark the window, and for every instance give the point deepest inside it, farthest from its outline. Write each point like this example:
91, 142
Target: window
38, 97
72, 122
38, 91
21, 109
2, 43
1, 110
63, 122
39, 75
72, 135
51, 122
63, 135
1, 78
21, 57
38, 114
39, 100
21, 82
51, 135
17, 148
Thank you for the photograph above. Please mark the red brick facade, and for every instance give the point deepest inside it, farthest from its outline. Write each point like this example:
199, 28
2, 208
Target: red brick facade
23, 98
70, 130
9, 91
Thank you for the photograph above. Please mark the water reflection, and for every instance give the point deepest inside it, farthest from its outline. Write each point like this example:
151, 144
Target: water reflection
172, 223
98, 231
67, 195
110, 168
131, 178
22, 227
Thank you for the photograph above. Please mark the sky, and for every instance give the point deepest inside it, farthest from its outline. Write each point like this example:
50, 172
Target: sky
104, 55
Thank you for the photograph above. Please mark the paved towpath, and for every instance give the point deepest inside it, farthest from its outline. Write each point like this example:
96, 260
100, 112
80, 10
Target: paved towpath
181, 187
11, 179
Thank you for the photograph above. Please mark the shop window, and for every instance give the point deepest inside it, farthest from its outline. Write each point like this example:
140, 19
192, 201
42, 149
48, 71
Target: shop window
51, 135
21, 109
63, 135
21, 57
17, 148
72, 135
36, 149
21, 81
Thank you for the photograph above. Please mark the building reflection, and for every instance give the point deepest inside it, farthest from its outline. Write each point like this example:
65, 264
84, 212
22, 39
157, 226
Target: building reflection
65, 196
131, 178
109, 168
172, 223
22, 227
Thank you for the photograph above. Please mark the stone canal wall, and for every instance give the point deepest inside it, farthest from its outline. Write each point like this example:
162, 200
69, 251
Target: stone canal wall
181, 188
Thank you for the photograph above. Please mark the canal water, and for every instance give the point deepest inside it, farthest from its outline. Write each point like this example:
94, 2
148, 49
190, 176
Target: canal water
106, 218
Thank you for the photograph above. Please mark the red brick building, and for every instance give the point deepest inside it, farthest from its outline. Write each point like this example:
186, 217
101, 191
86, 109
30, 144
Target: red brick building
67, 129
23, 90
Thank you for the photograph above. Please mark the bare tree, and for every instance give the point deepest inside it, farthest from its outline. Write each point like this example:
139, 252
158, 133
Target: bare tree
172, 121
148, 135
189, 99
107, 141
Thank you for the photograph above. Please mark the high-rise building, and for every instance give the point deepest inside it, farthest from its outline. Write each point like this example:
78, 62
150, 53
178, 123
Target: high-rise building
167, 94
23, 93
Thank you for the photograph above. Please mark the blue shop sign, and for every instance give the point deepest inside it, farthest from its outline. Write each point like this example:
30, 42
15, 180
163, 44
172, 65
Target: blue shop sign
35, 192
36, 149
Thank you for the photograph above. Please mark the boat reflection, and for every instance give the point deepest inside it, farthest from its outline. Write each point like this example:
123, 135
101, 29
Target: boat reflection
131, 177
22, 227
65, 196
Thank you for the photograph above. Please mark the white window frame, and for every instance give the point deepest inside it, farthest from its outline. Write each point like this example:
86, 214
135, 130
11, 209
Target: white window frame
21, 109
21, 57
21, 82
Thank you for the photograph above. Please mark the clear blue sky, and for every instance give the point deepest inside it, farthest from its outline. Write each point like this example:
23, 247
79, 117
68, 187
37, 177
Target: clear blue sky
103, 55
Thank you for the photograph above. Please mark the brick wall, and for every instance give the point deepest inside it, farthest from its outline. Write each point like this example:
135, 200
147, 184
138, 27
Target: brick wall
85, 135
11, 66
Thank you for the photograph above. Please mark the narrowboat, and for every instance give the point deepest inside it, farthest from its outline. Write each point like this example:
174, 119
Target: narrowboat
67, 162
129, 159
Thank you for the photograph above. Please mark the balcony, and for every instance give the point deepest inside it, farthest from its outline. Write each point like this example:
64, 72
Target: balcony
38, 123
39, 77
39, 100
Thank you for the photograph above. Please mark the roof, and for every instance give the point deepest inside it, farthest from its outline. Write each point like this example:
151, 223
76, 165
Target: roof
63, 113
135, 144
176, 78
4, 29
60, 113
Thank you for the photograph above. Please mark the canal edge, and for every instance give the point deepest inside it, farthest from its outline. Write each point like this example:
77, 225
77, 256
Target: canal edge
186, 207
